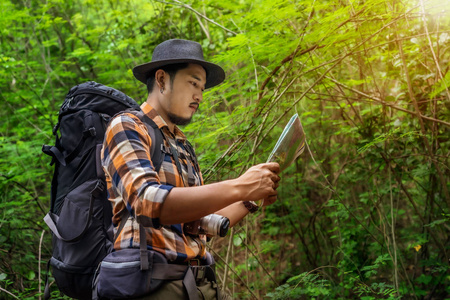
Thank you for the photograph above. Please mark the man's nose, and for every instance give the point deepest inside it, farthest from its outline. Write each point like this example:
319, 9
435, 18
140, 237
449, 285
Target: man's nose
198, 97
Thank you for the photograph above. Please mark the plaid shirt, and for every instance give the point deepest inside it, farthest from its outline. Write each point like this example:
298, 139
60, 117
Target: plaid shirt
133, 184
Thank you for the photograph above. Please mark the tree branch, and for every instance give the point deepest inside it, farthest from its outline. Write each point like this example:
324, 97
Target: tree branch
387, 103
179, 3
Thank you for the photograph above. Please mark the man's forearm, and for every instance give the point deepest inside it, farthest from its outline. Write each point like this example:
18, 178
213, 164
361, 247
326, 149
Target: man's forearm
234, 212
185, 204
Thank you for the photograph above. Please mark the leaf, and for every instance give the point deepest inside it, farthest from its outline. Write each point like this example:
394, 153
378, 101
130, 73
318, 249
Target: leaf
440, 86
238, 239
437, 222
80, 52
31, 275
425, 279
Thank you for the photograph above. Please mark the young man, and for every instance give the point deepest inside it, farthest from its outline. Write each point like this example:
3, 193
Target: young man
163, 201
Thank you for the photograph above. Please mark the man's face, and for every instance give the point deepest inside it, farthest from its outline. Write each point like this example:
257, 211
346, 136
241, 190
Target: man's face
185, 94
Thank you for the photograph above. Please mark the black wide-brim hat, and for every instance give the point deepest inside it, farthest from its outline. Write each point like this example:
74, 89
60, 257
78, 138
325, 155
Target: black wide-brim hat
180, 51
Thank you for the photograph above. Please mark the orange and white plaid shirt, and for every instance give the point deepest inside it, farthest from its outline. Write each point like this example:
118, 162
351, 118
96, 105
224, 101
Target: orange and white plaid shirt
133, 184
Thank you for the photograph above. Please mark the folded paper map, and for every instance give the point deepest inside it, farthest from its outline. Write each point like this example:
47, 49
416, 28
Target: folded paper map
288, 147
290, 144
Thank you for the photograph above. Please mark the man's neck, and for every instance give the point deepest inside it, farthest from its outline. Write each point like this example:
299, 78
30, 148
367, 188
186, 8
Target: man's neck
154, 101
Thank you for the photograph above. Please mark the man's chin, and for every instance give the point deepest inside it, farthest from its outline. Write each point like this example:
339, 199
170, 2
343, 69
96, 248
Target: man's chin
179, 121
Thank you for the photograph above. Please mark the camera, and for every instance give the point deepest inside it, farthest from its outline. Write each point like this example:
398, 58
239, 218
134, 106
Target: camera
210, 225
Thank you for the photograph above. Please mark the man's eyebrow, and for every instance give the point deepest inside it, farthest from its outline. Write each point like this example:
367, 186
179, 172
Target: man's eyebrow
196, 77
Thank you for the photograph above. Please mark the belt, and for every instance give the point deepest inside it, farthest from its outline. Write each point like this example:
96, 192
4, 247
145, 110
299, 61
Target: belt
197, 273
191, 262
200, 270
202, 273
196, 276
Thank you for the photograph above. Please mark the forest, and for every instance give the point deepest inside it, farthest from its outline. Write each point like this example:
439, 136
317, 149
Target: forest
363, 213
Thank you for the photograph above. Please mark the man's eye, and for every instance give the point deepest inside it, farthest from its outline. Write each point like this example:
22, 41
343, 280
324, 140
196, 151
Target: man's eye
196, 84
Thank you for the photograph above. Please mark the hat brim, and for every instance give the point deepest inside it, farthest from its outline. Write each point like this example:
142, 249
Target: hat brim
214, 73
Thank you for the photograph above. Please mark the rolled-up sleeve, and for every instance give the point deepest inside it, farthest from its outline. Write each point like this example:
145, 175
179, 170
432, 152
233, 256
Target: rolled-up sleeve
127, 164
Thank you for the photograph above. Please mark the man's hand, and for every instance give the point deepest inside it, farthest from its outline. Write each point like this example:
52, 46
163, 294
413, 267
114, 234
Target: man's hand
259, 182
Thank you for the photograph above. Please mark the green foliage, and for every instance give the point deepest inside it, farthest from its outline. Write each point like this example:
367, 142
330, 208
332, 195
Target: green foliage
303, 285
313, 286
362, 214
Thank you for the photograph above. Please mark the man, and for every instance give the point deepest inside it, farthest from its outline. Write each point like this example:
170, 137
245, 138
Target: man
163, 201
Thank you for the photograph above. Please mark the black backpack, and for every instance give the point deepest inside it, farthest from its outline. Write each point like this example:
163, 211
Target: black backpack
80, 213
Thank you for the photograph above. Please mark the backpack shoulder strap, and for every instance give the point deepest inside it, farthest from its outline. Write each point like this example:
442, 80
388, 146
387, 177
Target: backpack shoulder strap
191, 152
157, 150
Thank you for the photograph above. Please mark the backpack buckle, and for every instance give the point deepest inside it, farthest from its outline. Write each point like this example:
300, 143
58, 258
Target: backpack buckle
199, 273
195, 262
165, 149
99, 189
55, 129
92, 131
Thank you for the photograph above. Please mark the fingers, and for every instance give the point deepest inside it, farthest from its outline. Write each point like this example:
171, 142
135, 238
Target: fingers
272, 166
259, 182
270, 200
274, 169
276, 185
273, 176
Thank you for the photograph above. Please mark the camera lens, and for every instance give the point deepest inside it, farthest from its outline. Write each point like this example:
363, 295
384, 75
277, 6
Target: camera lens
211, 225
224, 226
215, 224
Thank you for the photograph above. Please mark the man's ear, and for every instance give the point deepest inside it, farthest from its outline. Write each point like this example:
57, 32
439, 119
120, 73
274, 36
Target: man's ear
160, 78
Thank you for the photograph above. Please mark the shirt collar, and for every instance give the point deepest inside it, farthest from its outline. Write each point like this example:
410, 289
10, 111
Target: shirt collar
159, 121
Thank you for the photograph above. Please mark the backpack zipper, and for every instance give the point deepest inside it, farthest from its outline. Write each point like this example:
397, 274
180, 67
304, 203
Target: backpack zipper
119, 265
96, 92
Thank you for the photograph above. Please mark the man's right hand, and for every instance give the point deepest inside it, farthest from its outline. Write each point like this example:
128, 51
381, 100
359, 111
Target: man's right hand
259, 182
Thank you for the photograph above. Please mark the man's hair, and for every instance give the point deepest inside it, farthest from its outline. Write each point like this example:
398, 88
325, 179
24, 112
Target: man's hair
171, 69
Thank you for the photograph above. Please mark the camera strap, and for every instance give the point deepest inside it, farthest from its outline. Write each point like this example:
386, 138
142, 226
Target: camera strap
177, 159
